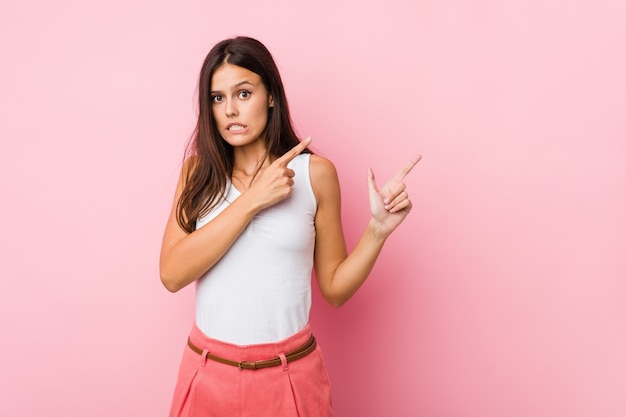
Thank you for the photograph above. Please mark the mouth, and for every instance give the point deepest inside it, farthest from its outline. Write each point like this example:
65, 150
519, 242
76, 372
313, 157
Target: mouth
235, 127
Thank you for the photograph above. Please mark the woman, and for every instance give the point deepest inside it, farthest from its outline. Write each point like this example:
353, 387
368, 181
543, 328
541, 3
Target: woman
254, 212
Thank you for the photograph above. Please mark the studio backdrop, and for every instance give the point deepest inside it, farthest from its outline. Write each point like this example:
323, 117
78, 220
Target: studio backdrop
502, 294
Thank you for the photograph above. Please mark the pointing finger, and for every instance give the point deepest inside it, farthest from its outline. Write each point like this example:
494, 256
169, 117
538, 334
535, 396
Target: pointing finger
293, 152
371, 181
407, 168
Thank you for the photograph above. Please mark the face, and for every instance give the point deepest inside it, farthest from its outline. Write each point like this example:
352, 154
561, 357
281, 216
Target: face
240, 104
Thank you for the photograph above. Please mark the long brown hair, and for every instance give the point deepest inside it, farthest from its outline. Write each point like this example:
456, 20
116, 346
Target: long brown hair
212, 157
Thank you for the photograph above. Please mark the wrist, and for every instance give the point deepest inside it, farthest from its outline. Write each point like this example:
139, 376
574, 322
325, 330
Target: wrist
248, 203
377, 231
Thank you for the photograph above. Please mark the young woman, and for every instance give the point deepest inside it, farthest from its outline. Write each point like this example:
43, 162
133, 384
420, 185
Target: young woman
254, 212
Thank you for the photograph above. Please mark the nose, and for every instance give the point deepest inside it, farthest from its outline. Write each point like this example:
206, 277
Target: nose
231, 108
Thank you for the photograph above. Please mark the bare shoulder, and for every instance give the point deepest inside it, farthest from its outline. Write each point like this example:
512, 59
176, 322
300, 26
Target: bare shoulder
322, 169
324, 179
189, 165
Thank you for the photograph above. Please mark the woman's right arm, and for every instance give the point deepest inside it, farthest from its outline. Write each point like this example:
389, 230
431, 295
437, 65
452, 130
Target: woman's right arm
185, 257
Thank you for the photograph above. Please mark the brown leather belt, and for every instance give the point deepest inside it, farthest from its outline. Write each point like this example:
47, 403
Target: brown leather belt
294, 355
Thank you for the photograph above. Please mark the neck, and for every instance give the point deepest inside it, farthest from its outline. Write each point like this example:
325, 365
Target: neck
248, 161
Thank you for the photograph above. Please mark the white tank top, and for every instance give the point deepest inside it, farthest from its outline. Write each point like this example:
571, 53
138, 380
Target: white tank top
260, 290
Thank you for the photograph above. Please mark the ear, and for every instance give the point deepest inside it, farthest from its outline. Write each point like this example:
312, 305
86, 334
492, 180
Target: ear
271, 101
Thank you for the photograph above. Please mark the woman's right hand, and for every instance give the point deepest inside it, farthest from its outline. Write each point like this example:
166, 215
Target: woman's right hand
274, 182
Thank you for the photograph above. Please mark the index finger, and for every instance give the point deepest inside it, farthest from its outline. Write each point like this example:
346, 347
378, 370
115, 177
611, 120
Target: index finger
293, 152
407, 168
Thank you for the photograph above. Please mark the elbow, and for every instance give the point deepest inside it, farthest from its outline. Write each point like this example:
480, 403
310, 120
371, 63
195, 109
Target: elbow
335, 301
173, 278
336, 297
170, 282
169, 285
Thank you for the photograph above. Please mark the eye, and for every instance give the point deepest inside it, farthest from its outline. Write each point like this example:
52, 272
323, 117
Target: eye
217, 98
244, 94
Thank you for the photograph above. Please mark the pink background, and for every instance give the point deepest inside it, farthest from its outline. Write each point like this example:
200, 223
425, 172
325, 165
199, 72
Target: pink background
504, 292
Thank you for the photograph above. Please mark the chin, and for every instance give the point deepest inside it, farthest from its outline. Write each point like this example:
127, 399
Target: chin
243, 141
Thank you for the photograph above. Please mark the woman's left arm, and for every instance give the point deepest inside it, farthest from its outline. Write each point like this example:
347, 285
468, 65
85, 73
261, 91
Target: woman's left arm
340, 274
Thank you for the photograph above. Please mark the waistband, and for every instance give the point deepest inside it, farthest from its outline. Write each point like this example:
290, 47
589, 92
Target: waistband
249, 353
284, 359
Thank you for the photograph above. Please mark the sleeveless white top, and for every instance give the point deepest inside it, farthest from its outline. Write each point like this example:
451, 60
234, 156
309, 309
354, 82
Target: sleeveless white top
260, 290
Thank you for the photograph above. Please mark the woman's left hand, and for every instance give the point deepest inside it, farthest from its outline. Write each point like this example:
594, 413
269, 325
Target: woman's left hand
390, 204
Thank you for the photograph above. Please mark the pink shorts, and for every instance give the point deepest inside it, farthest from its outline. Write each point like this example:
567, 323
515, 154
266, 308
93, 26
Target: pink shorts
208, 388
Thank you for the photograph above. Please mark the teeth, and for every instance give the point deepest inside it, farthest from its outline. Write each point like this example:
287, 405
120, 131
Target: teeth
236, 127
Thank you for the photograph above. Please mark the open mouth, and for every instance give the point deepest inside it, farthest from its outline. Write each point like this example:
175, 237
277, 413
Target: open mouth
234, 127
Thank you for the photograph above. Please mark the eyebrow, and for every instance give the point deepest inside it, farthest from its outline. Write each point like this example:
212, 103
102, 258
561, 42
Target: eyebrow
239, 84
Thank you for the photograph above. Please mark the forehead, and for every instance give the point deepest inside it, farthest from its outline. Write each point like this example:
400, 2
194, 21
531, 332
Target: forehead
227, 76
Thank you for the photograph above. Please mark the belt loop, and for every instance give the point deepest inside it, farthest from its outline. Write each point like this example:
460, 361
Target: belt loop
203, 357
283, 360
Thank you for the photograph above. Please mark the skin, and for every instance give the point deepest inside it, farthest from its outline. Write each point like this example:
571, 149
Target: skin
240, 98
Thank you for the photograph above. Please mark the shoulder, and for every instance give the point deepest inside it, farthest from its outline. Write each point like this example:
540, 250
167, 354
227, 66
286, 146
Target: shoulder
321, 168
189, 166
190, 163
324, 178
